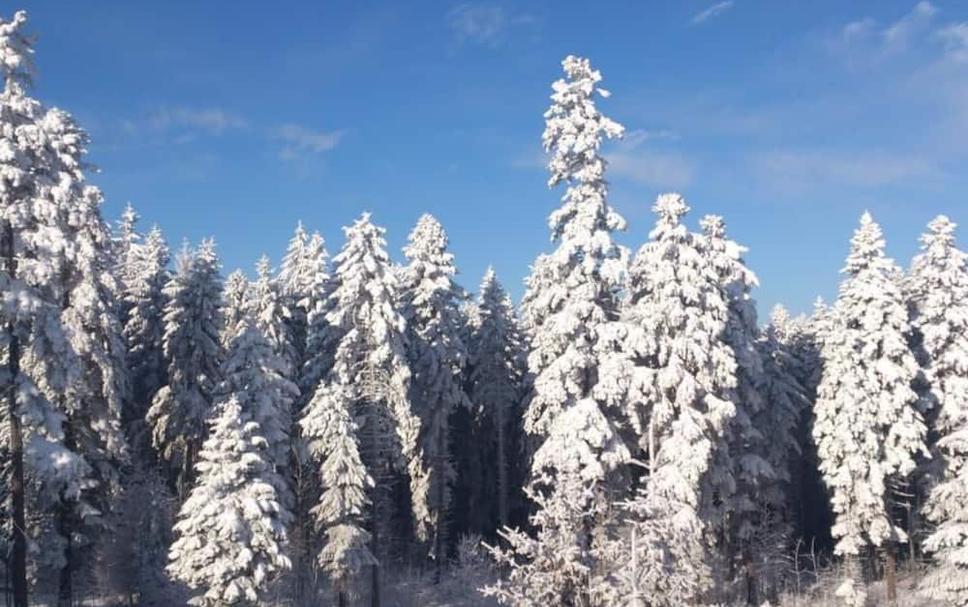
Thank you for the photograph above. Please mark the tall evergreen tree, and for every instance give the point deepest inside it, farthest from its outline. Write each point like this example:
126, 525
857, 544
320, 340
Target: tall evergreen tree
574, 327
231, 529
680, 405
430, 302
937, 288
495, 379
271, 316
302, 283
867, 427
368, 374
255, 374
193, 323
235, 303
64, 380
144, 329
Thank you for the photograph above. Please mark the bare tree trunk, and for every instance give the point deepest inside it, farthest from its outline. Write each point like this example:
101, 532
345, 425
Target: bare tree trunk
375, 586
503, 490
18, 556
890, 575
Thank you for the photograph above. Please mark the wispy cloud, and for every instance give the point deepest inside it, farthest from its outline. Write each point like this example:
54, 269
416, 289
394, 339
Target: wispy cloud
954, 37
712, 12
211, 120
891, 38
299, 140
803, 170
632, 159
484, 24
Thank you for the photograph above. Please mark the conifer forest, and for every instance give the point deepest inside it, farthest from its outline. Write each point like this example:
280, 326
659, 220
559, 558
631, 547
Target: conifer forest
351, 427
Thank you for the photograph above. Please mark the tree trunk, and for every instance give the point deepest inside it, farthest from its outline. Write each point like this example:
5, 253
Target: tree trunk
65, 527
375, 586
18, 556
503, 490
890, 575
341, 599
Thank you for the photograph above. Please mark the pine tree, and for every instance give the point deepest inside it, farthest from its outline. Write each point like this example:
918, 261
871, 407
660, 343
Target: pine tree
193, 323
744, 456
867, 428
271, 316
573, 326
495, 378
430, 303
125, 243
64, 380
231, 529
255, 374
341, 511
937, 288
303, 280
365, 343
680, 405
144, 329
235, 303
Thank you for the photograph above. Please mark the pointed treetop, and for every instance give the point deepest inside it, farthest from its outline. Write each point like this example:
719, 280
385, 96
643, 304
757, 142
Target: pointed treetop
713, 226
941, 232
129, 216
574, 127
866, 246
16, 52
779, 316
670, 208
263, 268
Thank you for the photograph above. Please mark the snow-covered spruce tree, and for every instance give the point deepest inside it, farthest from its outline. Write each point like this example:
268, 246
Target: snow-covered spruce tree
64, 380
680, 405
574, 327
144, 329
255, 375
231, 529
124, 245
271, 316
193, 323
368, 371
937, 289
495, 379
867, 428
235, 303
340, 514
33, 246
430, 303
302, 282
742, 514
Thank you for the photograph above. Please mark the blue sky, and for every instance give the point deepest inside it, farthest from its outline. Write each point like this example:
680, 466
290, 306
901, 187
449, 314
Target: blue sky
788, 118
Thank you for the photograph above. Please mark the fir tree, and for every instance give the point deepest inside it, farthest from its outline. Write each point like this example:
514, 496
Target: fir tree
495, 381
231, 529
680, 405
193, 323
867, 427
365, 343
437, 355
937, 288
271, 316
144, 329
573, 326
235, 303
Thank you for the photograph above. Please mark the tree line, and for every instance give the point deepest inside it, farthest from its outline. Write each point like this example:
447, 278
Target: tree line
629, 435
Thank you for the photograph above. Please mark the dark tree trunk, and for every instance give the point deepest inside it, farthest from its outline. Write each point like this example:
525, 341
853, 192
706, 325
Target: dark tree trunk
18, 556
890, 575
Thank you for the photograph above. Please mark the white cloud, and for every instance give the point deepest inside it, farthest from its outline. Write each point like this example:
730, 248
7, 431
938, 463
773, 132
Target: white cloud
712, 12
485, 24
661, 169
299, 140
211, 120
801, 170
898, 35
954, 37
